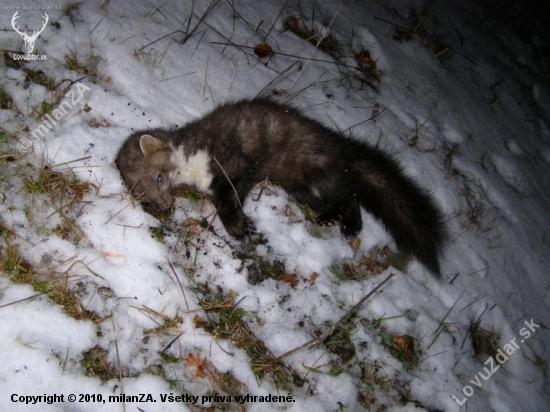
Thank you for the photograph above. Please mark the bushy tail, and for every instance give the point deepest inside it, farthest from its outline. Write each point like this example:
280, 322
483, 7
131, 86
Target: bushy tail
407, 210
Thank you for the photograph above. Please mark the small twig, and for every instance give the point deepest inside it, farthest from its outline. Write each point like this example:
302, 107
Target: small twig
98, 23
117, 213
71, 161
343, 319
238, 15
280, 74
24, 299
478, 297
177, 77
229, 42
118, 364
179, 283
474, 326
157, 10
65, 360
187, 34
71, 82
205, 76
190, 15
310, 59
275, 21
390, 22
171, 343
240, 46
201, 19
206, 12
365, 121
161, 38
86, 266
441, 324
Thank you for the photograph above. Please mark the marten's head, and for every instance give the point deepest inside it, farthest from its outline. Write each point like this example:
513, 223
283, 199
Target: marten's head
146, 167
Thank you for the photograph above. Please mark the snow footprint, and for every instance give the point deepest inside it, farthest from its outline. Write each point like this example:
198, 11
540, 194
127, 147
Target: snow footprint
514, 148
508, 171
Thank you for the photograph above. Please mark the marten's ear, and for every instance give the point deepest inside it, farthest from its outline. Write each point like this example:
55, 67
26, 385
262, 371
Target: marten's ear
150, 144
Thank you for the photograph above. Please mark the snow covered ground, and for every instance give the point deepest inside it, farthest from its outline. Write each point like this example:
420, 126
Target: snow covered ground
458, 93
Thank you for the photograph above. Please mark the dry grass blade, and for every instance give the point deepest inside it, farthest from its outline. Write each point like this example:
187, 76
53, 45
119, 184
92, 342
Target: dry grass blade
188, 33
180, 285
23, 300
343, 319
225, 321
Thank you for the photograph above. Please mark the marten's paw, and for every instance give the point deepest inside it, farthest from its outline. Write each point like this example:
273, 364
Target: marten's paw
327, 219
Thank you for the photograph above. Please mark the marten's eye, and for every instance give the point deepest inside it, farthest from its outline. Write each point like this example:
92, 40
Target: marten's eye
160, 180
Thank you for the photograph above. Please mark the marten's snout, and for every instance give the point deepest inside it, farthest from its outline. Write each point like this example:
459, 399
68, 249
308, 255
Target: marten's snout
165, 202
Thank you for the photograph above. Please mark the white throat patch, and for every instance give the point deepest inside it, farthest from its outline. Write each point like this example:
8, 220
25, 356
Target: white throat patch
193, 170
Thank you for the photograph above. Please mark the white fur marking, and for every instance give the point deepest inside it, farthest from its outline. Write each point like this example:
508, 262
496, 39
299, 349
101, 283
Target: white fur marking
191, 170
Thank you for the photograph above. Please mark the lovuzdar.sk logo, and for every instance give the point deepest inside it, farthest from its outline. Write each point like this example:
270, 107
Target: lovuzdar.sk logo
29, 40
